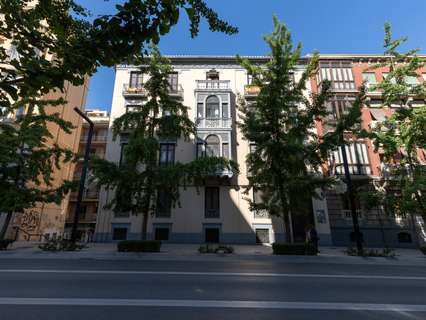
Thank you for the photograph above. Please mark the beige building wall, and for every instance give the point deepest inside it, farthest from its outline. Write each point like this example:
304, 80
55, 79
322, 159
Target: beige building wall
236, 223
49, 219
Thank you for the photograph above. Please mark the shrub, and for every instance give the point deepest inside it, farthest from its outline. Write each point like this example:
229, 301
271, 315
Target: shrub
215, 249
423, 250
5, 243
294, 249
385, 253
55, 245
139, 246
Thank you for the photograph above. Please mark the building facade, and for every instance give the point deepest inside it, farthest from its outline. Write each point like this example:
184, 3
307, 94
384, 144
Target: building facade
48, 220
219, 211
89, 207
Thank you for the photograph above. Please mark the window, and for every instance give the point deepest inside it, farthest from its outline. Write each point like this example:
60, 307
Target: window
404, 237
339, 73
252, 147
173, 81
338, 106
200, 107
225, 150
357, 155
123, 153
212, 202
167, 154
257, 196
164, 204
162, 233
212, 75
136, 79
212, 235
212, 107
411, 80
119, 234
249, 79
225, 110
369, 78
201, 150
133, 108
213, 146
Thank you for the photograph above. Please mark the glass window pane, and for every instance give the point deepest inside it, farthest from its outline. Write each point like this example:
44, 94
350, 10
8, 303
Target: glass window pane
213, 146
212, 107
200, 110
225, 150
225, 110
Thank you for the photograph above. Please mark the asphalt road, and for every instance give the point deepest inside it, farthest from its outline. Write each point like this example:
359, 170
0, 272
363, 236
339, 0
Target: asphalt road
100, 289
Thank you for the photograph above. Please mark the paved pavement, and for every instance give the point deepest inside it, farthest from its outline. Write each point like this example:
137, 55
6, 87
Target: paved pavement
175, 252
219, 288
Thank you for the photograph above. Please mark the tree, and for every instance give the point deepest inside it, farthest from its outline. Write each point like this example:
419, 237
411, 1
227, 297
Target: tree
402, 136
47, 44
141, 180
281, 123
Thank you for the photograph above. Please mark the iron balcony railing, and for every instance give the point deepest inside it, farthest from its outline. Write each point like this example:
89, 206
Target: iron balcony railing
213, 123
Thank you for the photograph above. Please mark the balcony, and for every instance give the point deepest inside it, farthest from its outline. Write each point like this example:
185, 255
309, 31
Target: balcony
213, 85
251, 91
217, 123
176, 91
95, 139
88, 195
130, 91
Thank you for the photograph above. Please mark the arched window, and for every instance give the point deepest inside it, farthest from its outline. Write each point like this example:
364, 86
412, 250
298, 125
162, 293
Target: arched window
213, 146
212, 107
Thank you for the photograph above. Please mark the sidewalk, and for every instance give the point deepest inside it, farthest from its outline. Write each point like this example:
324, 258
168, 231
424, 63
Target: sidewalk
258, 253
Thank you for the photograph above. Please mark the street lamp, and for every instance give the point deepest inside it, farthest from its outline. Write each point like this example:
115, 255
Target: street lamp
83, 174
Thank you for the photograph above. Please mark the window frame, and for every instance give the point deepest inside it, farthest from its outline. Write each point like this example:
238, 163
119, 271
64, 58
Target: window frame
212, 202
169, 147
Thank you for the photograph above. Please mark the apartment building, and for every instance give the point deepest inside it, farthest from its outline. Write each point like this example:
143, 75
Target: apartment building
347, 73
49, 219
219, 212
90, 202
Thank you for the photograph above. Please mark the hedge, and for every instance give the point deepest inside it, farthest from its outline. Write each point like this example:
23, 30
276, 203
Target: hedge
293, 249
139, 246
423, 249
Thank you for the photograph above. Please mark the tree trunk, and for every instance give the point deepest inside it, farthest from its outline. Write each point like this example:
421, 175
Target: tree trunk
5, 225
144, 225
382, 231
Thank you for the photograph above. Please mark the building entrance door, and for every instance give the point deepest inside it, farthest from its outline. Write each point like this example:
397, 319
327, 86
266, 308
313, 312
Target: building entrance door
262, 236
212, 235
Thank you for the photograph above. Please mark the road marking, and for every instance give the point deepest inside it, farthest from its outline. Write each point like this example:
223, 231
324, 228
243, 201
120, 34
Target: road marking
219, 274
214, 304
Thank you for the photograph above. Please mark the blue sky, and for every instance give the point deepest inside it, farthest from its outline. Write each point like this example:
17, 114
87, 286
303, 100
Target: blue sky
329, 26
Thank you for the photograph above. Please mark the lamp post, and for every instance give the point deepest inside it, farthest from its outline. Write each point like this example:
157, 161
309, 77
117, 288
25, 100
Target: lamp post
354, 214
83, 174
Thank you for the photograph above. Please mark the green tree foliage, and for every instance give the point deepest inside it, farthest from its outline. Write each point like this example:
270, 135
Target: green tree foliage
402, 137
49, 43
139, 179
281, 123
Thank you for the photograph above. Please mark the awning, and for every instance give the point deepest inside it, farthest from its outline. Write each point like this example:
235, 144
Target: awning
378, 114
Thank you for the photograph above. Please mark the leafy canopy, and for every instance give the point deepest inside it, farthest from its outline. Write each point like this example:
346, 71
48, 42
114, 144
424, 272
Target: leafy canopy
286, 165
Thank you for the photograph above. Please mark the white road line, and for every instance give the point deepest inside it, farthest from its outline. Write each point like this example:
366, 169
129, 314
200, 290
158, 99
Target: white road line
219, 274
214, 304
